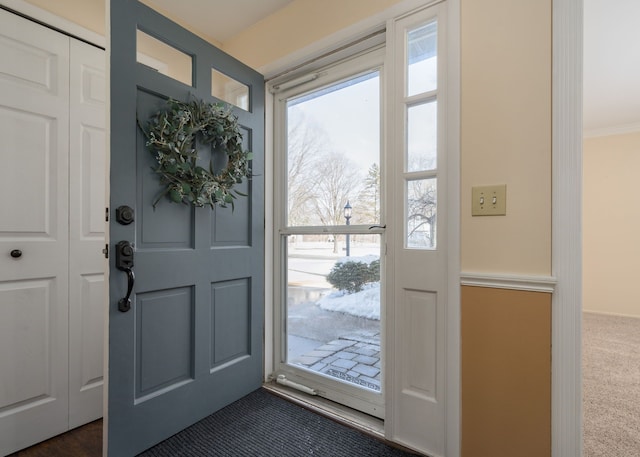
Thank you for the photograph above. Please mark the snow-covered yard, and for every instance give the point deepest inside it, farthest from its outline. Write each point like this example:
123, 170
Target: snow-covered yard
365, 303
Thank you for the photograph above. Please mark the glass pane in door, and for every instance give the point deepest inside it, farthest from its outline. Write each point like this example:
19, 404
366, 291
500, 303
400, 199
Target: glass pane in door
333, 154
422, 136
333, 306
332, 261
421, 210
422, 59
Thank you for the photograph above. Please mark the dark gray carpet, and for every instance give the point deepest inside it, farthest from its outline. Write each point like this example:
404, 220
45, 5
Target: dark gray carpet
263, 424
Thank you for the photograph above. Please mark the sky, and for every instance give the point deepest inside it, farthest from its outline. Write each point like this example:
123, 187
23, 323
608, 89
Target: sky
350, 115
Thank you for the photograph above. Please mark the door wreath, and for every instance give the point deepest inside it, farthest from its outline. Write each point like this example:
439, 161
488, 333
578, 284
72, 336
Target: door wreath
172, 135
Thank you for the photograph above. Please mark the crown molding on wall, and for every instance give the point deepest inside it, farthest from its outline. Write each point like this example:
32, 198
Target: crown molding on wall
545, 284
55, 22
615, 130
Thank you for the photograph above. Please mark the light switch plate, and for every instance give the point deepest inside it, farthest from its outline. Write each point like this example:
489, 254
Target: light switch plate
489, 200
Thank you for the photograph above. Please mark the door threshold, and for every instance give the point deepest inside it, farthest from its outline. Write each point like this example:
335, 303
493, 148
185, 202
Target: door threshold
335, 411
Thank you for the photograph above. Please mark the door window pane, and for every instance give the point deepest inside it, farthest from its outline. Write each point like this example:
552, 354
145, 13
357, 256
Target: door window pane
333, 306
164, 58
229, 90
422, 136
422, 59
421, 213
333, 154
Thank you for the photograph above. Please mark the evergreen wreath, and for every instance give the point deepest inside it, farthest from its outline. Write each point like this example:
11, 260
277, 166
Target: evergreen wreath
171, 136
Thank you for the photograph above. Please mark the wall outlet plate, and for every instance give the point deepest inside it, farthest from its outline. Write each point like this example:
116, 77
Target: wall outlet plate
489, 200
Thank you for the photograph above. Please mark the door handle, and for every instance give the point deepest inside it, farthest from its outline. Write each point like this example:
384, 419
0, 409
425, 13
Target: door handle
124, 262
124, 304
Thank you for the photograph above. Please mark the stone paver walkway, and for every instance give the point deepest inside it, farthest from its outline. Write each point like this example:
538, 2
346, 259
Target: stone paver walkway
353, 358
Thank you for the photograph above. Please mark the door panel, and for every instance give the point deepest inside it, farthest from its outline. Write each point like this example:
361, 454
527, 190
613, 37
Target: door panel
87, 167
34, 125
192, 342
164, 360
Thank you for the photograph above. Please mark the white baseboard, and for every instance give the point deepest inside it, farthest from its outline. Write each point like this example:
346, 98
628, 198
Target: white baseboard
603, 313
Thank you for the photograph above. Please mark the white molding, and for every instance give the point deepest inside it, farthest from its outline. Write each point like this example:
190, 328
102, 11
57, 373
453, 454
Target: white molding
453, 440
54, 21
546, 284
604, 313
269, 261
566, 315
614, 130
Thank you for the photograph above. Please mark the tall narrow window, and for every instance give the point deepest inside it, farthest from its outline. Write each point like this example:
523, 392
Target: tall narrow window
421, 127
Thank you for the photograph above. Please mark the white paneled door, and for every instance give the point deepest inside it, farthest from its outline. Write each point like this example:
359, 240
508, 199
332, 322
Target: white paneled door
418, 316
49, 269
87, 168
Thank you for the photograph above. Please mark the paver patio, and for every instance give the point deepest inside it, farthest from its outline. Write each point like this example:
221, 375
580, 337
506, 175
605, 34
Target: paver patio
353, 358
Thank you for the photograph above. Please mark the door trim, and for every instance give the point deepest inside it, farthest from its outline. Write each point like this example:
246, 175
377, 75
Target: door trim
566, 314
342, 38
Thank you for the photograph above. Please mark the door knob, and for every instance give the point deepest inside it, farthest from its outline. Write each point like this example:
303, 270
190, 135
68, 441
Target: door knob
16, 253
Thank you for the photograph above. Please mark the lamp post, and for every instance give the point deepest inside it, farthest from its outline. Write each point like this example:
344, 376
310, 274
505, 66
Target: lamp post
347, 216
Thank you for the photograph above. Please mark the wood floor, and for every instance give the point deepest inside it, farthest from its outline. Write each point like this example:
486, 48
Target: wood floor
85, 441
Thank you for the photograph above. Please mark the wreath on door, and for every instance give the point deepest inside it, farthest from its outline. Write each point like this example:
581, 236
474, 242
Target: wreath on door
173, 136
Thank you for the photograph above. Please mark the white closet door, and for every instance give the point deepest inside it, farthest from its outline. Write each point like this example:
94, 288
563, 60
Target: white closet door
34, 127
87, 165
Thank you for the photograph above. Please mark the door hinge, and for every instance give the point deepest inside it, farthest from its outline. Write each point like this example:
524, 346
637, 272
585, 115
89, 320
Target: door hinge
106, 214
105, 251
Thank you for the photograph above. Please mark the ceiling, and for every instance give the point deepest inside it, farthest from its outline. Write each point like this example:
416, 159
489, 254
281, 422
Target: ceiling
220, 19
611, 66
611, 49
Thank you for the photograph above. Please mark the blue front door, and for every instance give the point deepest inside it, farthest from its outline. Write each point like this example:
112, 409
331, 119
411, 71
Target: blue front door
191, 341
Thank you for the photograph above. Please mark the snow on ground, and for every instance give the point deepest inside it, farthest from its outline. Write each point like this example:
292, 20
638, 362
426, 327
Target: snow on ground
365, 303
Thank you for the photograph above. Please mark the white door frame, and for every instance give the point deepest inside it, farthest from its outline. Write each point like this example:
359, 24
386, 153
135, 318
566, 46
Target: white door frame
336, 41
566, 314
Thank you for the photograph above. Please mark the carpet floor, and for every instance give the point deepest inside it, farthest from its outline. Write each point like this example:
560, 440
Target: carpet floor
611, 386
263, 424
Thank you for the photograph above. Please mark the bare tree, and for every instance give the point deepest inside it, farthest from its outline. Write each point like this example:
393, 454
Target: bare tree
335, 179
422, 211
303, 148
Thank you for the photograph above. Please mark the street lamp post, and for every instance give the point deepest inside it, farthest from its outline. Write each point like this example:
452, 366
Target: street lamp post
347, 216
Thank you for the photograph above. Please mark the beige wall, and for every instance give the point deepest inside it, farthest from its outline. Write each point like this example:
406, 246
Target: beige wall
506, 133
298, 25
506, 139
87, 13
611, 224
90, 14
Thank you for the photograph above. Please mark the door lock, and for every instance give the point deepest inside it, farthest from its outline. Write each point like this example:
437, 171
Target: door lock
124, 215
